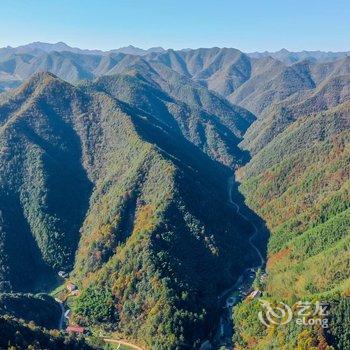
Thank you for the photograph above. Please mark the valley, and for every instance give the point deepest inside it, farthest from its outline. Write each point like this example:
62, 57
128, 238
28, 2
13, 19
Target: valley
167, 186
242, 286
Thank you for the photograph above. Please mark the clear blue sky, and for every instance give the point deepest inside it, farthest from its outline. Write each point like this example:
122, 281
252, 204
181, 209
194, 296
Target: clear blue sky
248, 25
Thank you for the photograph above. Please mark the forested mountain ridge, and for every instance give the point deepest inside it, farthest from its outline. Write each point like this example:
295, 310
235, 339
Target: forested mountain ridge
299, 184
39, 150
222, 70
289, 57
91, 176
330, 90
205, 119
31, 321
122, 180
17, 334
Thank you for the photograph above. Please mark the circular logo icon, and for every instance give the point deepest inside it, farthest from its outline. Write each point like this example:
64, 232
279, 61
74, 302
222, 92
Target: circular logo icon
274, 315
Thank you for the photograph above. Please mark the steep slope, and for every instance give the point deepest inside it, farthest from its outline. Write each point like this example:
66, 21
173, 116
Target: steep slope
206, 120
40, 309
324, 71
299, 183
186, 90
223, 70
271, 82
17, 334
88, 175
40, 152
300, 135
329, 94
69, 66
220, 70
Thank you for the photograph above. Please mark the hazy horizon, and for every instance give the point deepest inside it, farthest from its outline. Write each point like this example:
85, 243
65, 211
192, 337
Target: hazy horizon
166, 48
249, 26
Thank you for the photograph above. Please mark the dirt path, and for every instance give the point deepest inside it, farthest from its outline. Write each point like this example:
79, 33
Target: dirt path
122, 342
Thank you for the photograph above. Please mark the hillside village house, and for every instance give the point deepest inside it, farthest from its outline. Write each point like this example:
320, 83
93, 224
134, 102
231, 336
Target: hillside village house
71, 287
75, 329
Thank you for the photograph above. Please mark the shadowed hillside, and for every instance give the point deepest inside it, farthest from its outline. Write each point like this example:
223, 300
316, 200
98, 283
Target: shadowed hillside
113, 184
122, 180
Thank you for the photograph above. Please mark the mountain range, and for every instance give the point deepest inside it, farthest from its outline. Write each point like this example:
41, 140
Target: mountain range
222, 70
100, 179
289, 57
115, 168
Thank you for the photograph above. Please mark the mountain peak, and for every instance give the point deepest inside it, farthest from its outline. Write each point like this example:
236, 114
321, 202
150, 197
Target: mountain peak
59, 46
133, 50
40, 80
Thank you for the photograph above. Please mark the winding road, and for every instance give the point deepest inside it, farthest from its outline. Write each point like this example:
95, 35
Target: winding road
225, 325
224, 331
255, 229
239, 280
